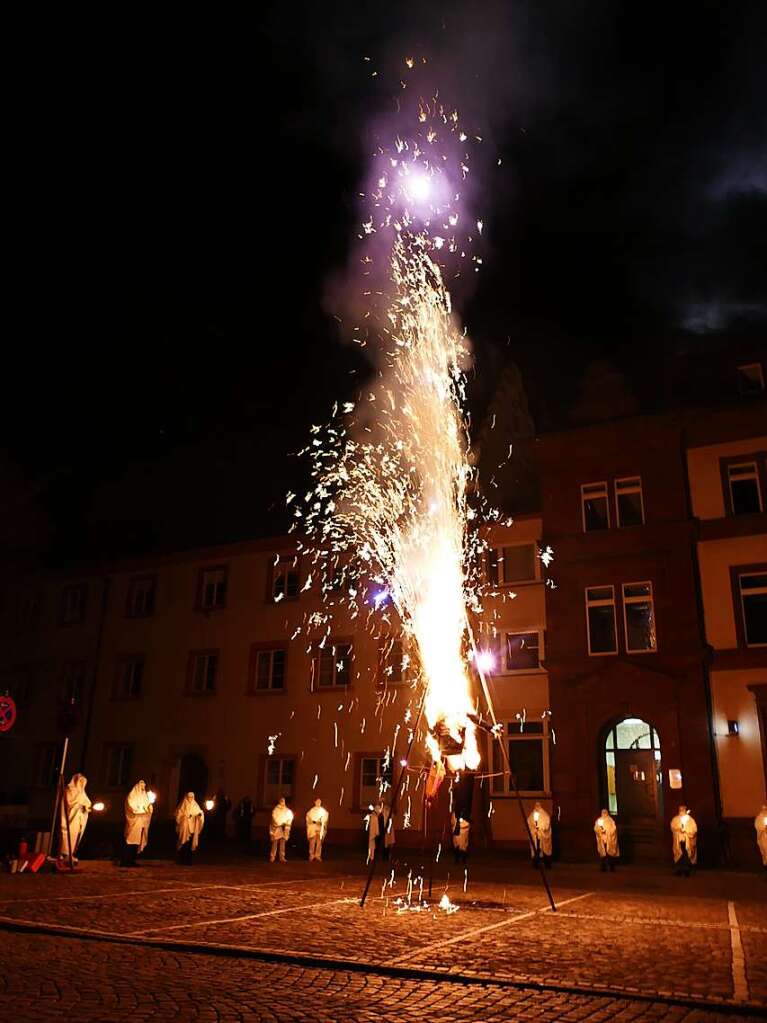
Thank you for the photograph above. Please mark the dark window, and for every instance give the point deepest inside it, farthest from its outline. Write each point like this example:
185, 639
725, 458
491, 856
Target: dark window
600, 612
73, 604
522, 651
212, 588
514, 564
30, 610
639, 614
285, 579
129, 678
202, 672
270, 669
753, 597
594, 506
141, 593
394, 662
751, 378
278, 779
745, 491
629, 505
73, 681
526, 746
118, 766
332, 665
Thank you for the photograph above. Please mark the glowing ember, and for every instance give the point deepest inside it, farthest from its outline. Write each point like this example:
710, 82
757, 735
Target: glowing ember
448, 906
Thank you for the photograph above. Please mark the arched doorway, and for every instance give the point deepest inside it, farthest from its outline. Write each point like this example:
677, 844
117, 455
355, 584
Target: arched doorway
192, 776
633, 783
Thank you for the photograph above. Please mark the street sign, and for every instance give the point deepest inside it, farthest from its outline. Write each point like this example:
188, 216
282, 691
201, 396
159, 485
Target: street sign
7, 713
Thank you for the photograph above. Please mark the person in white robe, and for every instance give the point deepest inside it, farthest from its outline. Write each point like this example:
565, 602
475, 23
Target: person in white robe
539, 824
606, 833
760, 824
684, 832
189, 823
138, 816
316, 828
279, 829
461, 828
75, 808
380, 831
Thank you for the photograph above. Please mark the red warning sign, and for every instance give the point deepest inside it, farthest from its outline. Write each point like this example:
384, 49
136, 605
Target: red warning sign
7, 713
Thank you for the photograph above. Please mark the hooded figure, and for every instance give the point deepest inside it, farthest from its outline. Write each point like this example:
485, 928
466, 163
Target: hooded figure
461, 828
760, 823
380, 831
138, 815
75, 807
316, 828
607, 840
684, 831
539, 824
189, 823
279, 829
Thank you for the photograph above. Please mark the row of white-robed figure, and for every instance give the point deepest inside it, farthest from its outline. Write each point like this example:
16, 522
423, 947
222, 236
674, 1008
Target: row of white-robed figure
76, 807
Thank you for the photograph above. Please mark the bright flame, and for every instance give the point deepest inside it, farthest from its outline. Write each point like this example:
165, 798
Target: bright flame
418, 187
98, 807
210, 804
446, 905
152, 797
485, 661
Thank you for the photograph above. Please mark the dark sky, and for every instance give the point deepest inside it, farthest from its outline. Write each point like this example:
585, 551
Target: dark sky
183, 185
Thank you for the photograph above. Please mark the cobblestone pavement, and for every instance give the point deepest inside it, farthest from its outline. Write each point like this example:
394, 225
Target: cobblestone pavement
643, 940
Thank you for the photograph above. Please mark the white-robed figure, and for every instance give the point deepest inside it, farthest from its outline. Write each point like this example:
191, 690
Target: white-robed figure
380, 831
75, 807
138, 816
279, 829
760, 824
539, 824
684, 832
606, 833
461, 828
316, 828
189, 823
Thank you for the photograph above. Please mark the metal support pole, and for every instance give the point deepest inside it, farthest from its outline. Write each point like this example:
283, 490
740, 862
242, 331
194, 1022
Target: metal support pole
58, 794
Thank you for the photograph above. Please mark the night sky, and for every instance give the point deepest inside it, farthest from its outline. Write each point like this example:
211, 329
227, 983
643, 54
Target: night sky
182, 195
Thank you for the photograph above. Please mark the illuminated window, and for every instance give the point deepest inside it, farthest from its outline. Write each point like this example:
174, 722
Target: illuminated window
751, 378
514, 564
629, 506
595, 507
753, 601
629, 734
285, 579
600, 620
141, 591
527, 746
73, 604
268, 669
211, 588
201, 673
745, 488
639, 617
279, 780
331, 665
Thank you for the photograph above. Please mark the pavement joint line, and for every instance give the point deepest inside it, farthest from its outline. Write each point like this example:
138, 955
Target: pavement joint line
739, 981
318, 961
162, 891
239, 919
665, 922
468, 935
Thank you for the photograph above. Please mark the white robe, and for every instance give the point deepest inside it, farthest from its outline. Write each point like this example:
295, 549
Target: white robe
189, 822
689, 836
279, 826
541, 831
607, 836
373, 830
460, 840
138, 815
317, 823
760, 823
75, 807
